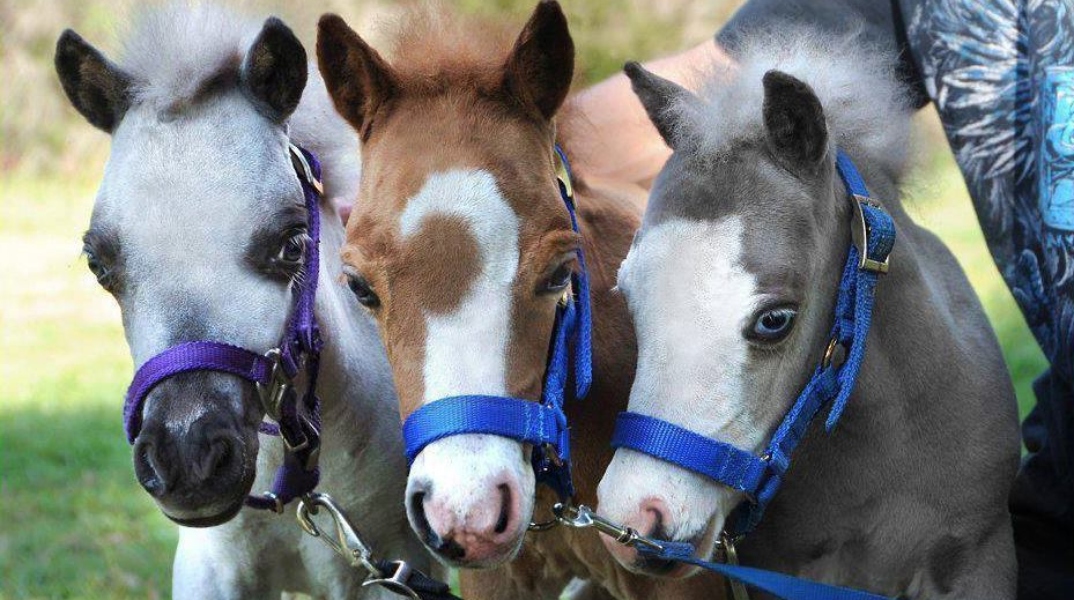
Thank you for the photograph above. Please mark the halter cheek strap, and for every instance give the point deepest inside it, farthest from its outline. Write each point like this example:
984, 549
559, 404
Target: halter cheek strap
543, 425
274, 372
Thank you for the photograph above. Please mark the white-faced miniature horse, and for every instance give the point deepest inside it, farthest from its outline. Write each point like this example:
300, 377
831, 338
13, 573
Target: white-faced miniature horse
732, 282
200, 231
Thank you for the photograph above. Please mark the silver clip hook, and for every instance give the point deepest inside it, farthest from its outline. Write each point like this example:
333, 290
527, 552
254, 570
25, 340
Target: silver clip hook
583, 517
346, 542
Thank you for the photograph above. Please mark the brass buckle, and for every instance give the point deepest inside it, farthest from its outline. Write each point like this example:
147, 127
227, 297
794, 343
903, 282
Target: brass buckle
302, 167
563, 176
829, 353
860, 234
730, 554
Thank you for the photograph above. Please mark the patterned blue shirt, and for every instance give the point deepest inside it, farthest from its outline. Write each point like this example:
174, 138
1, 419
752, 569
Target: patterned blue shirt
1001, 73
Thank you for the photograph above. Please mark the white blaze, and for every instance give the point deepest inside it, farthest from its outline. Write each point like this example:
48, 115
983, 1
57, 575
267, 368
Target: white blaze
466, 349
690, 298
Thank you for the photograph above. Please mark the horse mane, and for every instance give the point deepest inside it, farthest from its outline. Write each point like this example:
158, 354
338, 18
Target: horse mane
867, 110
177, 53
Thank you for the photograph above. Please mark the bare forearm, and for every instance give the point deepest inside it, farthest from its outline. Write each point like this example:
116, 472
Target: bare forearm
614, 138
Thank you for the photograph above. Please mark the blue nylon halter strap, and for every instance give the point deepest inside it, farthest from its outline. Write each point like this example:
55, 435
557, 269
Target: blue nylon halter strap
545, 424
873, 233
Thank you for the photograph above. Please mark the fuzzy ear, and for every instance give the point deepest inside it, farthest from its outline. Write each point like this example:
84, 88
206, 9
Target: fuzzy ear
274, 72
794, 121
357, 78
97, 88
539, 70
658, 96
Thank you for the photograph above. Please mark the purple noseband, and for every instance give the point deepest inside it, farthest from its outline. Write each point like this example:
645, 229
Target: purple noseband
274, 372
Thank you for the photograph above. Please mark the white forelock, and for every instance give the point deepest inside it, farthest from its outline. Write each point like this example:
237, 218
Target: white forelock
173, 49
854, 80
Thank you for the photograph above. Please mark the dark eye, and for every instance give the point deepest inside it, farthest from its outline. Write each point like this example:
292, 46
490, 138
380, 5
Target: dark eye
559, 279
773, 325
363, 291
292, 250
97, 267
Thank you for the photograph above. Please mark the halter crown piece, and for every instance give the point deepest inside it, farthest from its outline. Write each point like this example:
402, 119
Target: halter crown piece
274, 372
873, 236
544, 424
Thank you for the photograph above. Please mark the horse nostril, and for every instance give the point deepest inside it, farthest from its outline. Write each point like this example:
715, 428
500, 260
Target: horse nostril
150, 470
656, 517
416, 508
449, 549
505, 508
216, 458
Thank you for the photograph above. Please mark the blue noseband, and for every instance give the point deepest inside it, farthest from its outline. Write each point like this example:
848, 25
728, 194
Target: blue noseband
544, 424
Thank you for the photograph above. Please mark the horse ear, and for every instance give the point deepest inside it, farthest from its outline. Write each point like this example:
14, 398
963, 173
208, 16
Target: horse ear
357, 78
274, 72
794, 121
659, 96
98, 89
541, 65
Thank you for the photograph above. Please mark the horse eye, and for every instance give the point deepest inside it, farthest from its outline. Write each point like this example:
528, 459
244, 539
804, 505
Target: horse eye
773, 325
559, 279
292, 251
363, 291
96, 266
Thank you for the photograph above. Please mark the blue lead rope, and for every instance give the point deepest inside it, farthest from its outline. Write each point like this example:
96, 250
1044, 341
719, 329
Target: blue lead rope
760, 477
542, 424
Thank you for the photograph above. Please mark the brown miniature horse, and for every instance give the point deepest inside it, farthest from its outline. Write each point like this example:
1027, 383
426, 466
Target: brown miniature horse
460, 246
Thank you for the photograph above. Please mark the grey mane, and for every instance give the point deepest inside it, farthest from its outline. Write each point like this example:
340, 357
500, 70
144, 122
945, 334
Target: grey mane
177, 52
867, 110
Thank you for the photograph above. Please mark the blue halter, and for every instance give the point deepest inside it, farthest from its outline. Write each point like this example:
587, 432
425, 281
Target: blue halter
544, 424
873, 233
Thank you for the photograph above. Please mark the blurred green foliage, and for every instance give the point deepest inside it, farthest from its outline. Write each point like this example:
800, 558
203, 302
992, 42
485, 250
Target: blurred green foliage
76, 524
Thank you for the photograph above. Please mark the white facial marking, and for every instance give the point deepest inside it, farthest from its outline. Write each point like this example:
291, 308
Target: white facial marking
690, 299
466, 350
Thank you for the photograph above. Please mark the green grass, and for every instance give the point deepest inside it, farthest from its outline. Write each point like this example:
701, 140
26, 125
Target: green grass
76, 524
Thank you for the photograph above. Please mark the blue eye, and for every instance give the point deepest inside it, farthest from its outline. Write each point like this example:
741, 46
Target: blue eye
773, 325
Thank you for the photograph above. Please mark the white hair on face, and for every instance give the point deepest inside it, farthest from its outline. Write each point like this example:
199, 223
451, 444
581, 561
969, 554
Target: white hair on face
172, 50
854, 80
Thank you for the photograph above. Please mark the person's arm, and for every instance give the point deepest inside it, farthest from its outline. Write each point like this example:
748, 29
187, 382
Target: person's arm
612, 136
615, 138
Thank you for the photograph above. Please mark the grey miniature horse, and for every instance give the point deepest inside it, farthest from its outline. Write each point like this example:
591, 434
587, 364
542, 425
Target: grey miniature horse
199, 230
731, 282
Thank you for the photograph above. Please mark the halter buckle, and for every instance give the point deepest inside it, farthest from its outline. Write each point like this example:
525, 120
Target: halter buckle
302, 168
859, 232
397, 581
563, 176
730, 554
277, 388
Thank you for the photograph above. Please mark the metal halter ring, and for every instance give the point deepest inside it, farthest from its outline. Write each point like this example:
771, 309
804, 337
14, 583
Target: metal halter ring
829, 353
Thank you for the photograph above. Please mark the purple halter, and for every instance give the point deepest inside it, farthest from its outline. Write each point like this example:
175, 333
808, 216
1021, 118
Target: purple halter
274, 372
